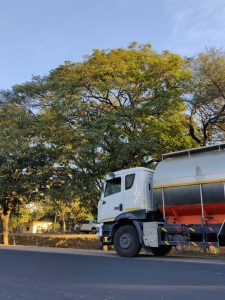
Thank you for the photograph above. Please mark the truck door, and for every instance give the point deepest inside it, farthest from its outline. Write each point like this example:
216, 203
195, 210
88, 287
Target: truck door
111, 203
149, 190
132, 196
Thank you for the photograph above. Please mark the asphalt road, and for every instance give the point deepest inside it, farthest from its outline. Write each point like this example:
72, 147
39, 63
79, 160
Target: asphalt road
38, 275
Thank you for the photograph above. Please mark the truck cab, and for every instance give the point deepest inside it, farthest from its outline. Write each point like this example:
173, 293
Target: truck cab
126, 191
126, 203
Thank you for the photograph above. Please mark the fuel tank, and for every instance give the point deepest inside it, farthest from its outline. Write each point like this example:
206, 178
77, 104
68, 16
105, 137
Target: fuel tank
189, 186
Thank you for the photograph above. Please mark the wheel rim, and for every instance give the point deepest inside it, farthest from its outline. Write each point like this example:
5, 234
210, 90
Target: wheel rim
125, 241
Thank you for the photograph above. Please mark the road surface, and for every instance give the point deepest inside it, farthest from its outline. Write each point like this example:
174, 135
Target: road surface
34, 275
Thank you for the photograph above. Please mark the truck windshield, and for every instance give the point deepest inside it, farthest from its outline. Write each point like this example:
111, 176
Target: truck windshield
113, 186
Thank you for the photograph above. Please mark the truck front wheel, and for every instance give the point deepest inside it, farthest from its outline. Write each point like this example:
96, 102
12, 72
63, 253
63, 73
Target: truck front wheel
161, 250
126, 241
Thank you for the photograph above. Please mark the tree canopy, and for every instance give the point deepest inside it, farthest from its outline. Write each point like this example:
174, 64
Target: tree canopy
207, 97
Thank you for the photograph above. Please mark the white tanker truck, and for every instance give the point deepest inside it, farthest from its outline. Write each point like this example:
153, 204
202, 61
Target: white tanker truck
181, 203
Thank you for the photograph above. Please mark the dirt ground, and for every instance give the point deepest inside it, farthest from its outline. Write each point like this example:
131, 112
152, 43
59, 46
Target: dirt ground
77, 241
91, 241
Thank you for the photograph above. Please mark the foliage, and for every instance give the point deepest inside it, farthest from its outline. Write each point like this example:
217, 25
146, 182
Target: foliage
96, 116
207, 99
22, 160
78, 213
107, 107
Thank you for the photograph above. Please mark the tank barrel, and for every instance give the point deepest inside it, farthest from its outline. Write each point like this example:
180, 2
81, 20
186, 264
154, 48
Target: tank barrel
189, 185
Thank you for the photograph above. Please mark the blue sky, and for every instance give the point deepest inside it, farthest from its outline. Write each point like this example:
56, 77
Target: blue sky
38, 35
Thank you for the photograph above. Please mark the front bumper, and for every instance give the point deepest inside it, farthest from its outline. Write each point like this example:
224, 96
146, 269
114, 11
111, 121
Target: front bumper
99, 230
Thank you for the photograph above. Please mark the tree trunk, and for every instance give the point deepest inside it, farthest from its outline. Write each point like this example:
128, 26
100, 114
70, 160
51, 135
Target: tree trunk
55, 218
55, 221
63, 220
192, 127
5, 223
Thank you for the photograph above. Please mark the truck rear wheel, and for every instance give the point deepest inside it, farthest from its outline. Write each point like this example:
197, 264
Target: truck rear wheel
126, 241
161, 250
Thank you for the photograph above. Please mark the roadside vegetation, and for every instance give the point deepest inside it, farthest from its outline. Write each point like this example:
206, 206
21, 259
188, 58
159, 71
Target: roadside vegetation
118, 108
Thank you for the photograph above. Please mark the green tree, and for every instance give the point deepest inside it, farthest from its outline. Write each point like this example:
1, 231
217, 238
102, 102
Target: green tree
117, 109
78, 213
22, 161
207, 98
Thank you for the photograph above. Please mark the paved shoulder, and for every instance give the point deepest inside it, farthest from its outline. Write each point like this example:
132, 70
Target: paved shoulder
112, 254
58, 250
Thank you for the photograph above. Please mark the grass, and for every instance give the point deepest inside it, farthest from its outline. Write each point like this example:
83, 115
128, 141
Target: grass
76, 241
91, 241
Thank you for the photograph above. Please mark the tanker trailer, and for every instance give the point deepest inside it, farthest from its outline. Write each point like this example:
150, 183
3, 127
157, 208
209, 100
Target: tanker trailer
189, 186
181, 203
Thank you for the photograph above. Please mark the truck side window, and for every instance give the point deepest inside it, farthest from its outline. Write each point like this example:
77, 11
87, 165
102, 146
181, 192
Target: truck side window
113, 186
129, 180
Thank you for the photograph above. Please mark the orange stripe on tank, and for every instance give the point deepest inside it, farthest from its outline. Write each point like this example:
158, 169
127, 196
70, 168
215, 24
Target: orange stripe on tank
214, 213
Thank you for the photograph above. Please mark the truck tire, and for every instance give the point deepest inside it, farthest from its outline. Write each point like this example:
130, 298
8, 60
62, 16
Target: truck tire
126, 241
161, 250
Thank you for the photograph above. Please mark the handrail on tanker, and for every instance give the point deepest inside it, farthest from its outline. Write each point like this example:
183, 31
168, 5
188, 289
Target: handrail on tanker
190, 152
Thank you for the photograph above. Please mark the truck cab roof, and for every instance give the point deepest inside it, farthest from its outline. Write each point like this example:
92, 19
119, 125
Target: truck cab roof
128, 171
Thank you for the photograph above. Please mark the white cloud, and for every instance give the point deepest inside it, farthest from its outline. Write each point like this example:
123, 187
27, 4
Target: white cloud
196, 24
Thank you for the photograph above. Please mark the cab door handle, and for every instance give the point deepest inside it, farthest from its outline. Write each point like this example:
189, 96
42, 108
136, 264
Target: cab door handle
103, 202
120, 207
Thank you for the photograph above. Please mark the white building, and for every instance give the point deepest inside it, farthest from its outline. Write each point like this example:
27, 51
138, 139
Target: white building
37, 226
